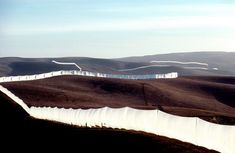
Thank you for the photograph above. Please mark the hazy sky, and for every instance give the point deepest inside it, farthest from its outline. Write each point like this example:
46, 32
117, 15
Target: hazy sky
114, 28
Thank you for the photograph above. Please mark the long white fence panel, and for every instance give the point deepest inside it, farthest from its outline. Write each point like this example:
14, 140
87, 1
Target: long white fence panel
188, 129
85, 73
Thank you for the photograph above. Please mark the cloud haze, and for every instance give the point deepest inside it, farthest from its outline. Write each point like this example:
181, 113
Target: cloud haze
98, 28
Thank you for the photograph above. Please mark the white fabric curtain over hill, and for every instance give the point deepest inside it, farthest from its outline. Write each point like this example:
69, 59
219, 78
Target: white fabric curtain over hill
188, 129
85, 73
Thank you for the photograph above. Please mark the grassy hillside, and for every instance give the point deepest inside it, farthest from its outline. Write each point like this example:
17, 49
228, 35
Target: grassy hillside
23, 133
210, 98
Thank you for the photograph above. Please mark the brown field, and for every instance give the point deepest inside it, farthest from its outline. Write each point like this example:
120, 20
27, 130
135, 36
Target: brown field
210, 98
20, 132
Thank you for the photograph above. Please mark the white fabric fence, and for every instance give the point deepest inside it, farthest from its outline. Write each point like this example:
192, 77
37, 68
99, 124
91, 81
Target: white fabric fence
85, 73
188, 129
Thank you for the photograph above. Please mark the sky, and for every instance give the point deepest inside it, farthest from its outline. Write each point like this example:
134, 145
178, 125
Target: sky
114, 28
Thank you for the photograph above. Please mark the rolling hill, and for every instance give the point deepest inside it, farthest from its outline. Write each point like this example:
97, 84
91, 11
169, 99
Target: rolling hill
21, 131
186, 64
210, 98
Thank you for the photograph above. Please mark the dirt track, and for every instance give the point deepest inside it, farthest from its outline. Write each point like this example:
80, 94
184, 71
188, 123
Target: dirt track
210, 98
